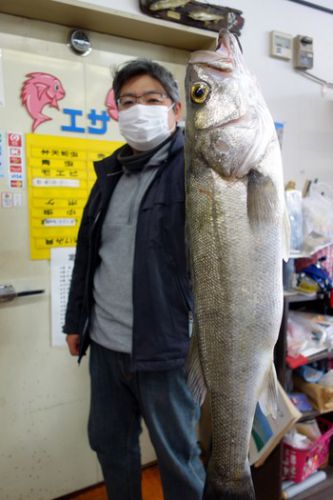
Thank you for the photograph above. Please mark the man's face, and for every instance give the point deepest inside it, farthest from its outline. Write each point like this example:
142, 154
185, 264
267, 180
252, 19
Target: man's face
145, 85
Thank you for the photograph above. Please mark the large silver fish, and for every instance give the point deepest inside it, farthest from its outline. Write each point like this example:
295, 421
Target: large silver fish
235, 224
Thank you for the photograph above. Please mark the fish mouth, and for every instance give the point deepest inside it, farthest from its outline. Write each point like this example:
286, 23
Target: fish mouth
216, 126
215, 60
223, 59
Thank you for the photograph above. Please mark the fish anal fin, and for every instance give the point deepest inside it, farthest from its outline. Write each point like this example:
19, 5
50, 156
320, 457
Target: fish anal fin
195, 377
269, 397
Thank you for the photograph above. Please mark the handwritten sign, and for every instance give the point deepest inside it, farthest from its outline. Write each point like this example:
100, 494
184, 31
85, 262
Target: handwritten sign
60, 177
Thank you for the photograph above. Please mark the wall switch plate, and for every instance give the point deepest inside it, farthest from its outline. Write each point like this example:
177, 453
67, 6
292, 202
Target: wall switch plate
281, 45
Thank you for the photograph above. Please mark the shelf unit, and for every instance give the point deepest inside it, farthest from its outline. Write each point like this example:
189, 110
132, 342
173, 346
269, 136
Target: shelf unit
268, 478
135, 26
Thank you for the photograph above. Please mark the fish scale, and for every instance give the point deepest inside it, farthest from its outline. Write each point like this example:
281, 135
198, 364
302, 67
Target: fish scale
234, 206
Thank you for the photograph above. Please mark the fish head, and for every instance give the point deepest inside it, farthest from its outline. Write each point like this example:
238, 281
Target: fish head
225, 109
55, 92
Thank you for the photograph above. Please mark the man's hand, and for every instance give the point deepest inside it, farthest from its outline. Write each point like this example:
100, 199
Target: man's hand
73, 341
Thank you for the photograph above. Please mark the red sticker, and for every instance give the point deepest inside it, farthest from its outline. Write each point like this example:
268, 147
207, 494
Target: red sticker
16, 184
15, 168
15, 140
15, 159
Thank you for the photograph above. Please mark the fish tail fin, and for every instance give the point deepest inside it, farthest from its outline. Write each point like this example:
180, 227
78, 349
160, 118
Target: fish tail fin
269, 398
262, 199
39, 120
195, 377
240, 490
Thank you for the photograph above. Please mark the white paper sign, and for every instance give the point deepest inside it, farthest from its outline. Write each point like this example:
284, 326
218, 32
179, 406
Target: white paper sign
41, 182
62, 261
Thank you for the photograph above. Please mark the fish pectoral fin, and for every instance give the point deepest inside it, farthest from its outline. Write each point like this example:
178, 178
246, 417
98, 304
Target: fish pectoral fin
195, 377
262, 199
269, 397
41, 88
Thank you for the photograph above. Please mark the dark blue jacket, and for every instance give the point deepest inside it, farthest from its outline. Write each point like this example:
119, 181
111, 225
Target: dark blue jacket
161, 291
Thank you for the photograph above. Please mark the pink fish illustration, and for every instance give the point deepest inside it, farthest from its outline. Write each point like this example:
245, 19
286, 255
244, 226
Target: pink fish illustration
38, 91
110, 103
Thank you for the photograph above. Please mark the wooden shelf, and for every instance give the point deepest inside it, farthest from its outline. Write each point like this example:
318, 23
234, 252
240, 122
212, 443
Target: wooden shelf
75, 14
290, 298
309, 415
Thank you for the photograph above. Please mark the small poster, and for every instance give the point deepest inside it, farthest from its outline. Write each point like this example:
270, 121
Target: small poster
60, 175
62, 262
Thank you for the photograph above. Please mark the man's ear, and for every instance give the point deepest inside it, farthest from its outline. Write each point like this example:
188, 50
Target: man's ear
177, 110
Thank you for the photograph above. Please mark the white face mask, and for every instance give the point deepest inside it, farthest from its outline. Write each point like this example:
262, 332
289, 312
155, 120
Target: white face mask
144, 127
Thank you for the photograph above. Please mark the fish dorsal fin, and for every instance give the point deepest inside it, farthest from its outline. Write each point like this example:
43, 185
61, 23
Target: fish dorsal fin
262, 199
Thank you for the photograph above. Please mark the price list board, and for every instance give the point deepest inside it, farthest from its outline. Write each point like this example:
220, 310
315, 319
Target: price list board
60, 177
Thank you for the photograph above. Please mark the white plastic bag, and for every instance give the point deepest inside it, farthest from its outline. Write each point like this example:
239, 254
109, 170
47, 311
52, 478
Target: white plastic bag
295, 213
317, 219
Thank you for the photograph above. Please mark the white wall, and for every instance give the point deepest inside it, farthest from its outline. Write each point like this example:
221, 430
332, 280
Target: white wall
294, 100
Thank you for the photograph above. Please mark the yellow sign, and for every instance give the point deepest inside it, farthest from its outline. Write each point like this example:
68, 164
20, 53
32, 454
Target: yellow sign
60, 177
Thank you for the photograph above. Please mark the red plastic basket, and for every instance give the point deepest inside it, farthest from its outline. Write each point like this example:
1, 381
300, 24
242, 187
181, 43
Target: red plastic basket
299, 464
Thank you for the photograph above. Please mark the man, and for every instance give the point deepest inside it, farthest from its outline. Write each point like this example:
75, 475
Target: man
130, 296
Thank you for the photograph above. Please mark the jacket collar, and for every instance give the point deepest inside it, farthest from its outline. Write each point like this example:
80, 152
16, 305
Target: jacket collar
110, 167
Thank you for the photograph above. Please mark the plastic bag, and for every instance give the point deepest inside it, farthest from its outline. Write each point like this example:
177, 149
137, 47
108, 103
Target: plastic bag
294, 207
305, 331
317, 219
298, 336
297, 440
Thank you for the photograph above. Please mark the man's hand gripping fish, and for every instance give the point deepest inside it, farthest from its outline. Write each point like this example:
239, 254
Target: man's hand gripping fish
235, 223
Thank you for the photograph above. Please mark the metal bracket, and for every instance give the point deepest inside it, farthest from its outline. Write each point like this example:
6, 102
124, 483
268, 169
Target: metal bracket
8, 293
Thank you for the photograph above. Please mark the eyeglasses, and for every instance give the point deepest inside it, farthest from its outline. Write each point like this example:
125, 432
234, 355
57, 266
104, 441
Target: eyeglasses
151, 98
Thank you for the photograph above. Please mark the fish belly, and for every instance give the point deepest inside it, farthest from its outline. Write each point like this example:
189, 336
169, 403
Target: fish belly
236, 273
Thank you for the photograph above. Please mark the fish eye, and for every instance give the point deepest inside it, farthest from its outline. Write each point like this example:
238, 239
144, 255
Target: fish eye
199, 92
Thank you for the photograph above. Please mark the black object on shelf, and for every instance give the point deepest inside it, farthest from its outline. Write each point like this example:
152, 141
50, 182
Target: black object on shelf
195, 14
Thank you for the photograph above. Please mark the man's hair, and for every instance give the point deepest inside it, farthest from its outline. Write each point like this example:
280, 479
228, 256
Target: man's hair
144, 66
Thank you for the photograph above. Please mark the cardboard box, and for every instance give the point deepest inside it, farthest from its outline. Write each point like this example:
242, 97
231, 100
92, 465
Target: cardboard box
320, 395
